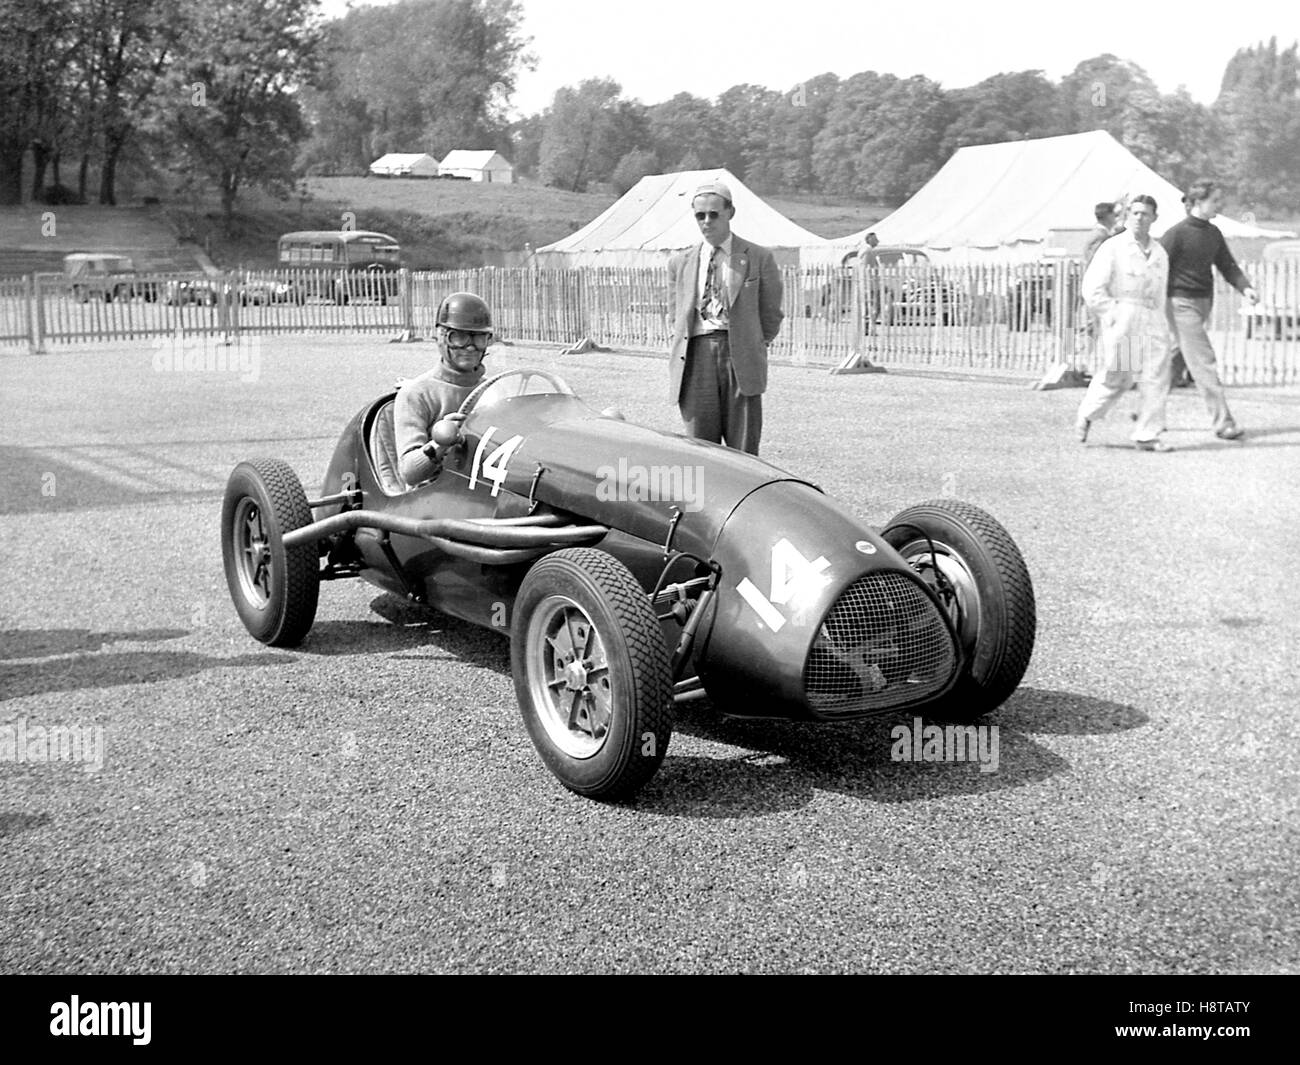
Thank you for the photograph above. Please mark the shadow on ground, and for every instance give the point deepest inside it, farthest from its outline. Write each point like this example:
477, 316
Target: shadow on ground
788, 761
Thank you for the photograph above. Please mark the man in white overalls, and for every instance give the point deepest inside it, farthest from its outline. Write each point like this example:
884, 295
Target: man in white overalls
1124, 286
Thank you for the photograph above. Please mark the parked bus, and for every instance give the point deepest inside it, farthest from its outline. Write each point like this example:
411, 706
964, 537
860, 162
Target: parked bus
344, 264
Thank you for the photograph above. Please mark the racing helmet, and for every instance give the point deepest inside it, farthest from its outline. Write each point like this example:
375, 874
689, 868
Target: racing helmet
466, 312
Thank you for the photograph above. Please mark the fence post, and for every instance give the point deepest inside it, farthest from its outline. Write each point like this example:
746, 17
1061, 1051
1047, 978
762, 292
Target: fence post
36, 310
407, 304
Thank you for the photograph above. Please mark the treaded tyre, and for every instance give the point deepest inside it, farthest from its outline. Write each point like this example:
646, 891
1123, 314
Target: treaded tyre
274, 590
987, 590
592, 673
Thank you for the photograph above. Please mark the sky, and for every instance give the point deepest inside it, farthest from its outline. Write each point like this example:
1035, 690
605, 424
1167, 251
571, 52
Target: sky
658, 48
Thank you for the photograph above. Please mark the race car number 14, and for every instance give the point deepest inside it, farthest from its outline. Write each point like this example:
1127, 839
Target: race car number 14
491, 467
793, 576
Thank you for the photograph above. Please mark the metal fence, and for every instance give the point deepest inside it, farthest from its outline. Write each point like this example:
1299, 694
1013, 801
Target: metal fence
1015, 318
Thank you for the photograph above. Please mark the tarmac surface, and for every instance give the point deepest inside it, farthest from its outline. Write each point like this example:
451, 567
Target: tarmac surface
370, 802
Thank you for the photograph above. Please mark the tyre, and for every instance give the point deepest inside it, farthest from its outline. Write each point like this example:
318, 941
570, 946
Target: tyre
274, 590
982, 579
592, 673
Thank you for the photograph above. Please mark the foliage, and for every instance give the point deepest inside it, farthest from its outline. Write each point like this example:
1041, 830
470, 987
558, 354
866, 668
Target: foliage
420, 76
1259, 108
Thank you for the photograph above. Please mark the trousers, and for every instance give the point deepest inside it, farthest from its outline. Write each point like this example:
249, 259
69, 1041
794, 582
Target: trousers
1187, 318
711, 404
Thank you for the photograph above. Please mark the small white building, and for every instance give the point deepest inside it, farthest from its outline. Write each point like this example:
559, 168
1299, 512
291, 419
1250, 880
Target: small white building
478, 166
399, 164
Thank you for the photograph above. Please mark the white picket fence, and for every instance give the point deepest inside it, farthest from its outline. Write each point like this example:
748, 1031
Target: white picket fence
1012, 318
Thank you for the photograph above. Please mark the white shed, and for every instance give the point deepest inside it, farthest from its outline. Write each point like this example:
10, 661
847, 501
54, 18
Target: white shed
478, 166
399, 164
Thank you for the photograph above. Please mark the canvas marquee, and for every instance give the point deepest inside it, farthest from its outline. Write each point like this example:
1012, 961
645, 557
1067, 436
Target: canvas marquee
652, 220
1003, 201
405, 164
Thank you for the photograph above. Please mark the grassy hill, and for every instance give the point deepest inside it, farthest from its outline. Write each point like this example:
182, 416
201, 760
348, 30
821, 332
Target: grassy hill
444, 224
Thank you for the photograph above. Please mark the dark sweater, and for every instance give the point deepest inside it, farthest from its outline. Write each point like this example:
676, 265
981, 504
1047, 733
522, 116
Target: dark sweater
1194, 246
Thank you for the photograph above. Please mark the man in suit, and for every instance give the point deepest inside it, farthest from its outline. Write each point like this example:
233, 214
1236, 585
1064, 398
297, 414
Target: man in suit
726, 299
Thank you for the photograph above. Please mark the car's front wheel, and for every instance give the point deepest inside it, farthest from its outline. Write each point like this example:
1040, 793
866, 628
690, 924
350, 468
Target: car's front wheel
592, 673
978, 573
274, 589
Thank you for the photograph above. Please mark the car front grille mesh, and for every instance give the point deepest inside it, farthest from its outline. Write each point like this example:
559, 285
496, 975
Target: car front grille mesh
883, 644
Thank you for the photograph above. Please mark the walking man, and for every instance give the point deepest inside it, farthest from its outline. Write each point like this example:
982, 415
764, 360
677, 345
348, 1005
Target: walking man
726, 299
1124, 289
1196, 247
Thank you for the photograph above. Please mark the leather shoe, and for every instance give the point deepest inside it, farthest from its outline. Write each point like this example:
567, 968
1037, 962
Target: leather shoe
1152, 445
1230, 432
1081, 428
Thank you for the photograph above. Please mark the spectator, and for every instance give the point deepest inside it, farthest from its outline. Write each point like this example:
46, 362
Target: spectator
1106, 216
726, 299
1124, 289
1196, 248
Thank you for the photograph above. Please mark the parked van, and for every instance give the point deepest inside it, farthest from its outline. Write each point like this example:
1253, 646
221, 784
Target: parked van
102, 275
346, 264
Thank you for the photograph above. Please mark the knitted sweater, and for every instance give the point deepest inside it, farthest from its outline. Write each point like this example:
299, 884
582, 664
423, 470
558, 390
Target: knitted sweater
420, 403
1194, 246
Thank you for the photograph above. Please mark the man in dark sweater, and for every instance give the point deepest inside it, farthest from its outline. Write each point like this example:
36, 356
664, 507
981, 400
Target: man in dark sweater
1196, 248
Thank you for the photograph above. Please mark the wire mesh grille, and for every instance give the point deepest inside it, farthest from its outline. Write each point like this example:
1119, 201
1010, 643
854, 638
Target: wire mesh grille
882, 644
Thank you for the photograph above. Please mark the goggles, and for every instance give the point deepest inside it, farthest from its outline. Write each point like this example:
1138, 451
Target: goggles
461, 338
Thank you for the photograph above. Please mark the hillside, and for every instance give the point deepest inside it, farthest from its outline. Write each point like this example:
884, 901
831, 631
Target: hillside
34, 238
445, 224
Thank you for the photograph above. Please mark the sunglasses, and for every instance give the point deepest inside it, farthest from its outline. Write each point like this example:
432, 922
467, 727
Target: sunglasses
700, 216
459, 338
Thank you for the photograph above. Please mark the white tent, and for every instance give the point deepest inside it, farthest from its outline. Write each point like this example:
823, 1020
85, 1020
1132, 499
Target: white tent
488, 166
405, 164
1004, 201
653, 219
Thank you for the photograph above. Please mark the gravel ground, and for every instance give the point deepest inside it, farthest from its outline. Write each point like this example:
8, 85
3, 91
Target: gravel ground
369, 802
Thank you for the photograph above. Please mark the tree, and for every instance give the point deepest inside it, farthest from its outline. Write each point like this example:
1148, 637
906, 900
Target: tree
587, 130
1095, 94
130, 48
423, 75
635, 165
230, 104
686, 124
882, 138
38, 40
526, 144
745, 118
1004, 107
1172, 134
1258, 108
796, 120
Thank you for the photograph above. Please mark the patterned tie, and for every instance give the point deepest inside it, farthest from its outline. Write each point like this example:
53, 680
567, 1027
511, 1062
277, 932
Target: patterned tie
712, 309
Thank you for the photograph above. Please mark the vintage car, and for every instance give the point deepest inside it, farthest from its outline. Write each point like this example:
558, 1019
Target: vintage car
632, 567
201, 291
101, 275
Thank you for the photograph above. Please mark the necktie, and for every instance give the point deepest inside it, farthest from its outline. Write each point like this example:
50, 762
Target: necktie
711, 307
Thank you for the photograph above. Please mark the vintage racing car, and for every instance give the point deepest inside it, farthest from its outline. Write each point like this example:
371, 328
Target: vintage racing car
633, 567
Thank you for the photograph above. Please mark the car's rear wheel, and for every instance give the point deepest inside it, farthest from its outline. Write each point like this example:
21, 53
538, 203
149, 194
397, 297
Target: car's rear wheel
974, 566
274, 589
592, 673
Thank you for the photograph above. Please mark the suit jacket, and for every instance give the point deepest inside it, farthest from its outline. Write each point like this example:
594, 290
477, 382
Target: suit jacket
754, 312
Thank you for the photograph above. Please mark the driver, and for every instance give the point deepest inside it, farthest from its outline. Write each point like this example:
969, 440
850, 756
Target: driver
464, 330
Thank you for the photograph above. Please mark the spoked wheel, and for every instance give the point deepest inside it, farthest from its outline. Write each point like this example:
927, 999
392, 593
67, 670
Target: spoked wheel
592, 673
977, 572
274, 590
